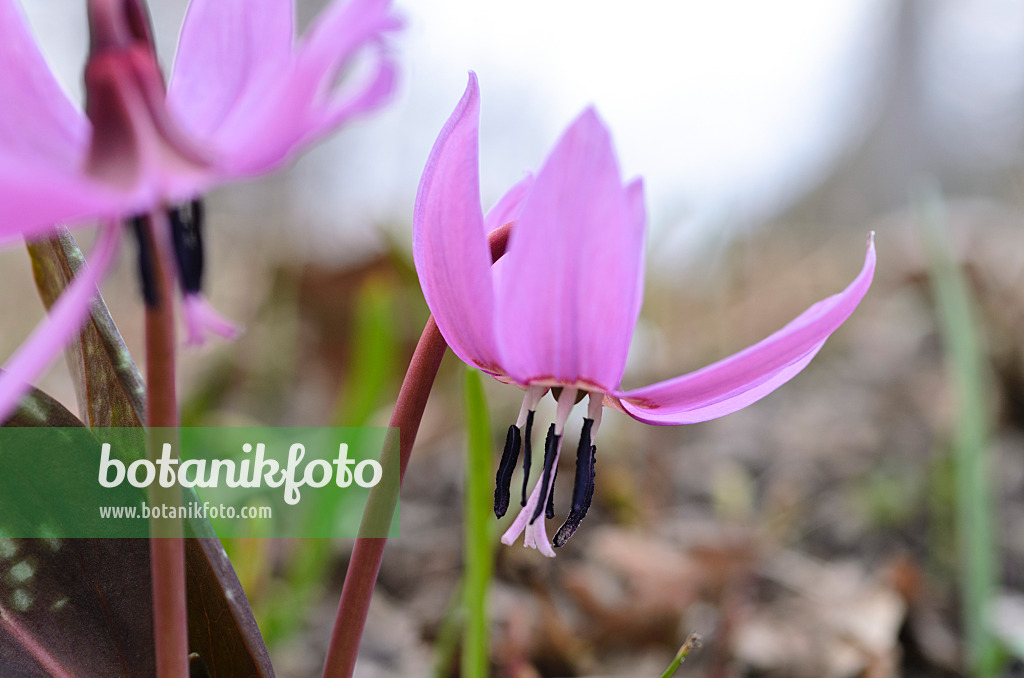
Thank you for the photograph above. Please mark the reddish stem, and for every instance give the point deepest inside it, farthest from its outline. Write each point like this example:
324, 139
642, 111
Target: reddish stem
368, 551
166, 547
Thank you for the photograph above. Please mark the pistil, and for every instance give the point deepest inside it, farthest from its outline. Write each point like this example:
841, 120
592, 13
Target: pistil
550, 453
527, 454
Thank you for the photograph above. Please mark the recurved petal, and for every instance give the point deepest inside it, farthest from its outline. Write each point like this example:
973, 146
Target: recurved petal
230, 54
341, 30
60, 326
302, 102
566, 305
741, 379
369, 94
449, 241
39, 122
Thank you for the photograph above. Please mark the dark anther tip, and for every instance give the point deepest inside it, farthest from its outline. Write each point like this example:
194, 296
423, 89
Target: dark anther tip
187, 234
503, 481
146, 260
549, 513
583, 486
567, 529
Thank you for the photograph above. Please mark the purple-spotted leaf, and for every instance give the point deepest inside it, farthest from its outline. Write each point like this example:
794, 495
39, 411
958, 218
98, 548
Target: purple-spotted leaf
75, 607
59, 594
222, 630
109, 387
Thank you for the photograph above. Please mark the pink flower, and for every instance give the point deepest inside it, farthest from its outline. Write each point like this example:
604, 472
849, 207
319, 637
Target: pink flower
244, 98
557, 312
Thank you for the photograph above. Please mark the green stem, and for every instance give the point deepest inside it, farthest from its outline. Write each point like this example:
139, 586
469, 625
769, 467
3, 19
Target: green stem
974, 512
166, 547
364, 565
479, 555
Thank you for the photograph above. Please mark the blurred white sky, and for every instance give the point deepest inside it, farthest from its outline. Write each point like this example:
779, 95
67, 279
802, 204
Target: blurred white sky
730, 109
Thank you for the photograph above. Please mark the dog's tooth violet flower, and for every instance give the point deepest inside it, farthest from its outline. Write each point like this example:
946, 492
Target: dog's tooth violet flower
243, 98
557, 312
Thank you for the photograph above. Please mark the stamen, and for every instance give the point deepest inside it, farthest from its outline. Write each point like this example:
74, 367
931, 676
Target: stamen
525, 424
187, 235
503, 481
583, 485
527, 453
147, 265
566, 399
593, 477
550, 452
595, 406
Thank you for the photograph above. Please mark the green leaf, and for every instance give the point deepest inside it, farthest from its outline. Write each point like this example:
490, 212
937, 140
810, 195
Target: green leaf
965, 358
374, 354
479, 553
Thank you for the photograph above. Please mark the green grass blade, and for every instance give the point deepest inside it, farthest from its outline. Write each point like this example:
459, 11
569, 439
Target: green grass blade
446, 647
692, 641
479, 554
374, 355
974, 512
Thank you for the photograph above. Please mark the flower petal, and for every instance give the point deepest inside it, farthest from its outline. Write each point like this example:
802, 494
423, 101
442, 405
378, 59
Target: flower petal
739, 380
338, 33
229, 54
202, 319
506, 210
35, 196
60, 326
638, 213
568, 294
43, 139
39, 122
367, 96
449, 243
510, 205
289, 100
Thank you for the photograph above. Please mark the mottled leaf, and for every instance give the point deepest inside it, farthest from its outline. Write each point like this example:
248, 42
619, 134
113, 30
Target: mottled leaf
38, 409
222, 630
75, 607
109, 387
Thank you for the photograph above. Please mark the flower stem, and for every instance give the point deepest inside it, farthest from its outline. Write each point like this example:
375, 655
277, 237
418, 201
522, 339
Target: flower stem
364, 565
166, 547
